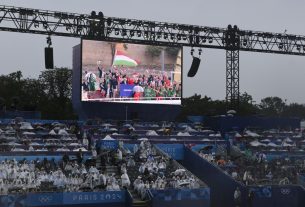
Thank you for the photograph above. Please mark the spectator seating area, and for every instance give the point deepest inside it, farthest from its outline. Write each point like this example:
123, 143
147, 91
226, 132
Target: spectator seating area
260, 157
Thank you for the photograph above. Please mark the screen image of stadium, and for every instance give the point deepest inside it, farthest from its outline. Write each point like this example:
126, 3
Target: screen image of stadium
131, 73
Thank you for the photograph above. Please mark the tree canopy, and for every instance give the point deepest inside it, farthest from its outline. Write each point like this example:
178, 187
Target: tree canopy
50, 93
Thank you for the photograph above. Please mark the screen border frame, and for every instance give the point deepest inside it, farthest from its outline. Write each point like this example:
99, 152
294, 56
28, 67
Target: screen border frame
122, 103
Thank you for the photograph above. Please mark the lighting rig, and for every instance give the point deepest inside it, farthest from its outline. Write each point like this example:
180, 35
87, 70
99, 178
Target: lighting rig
96, 26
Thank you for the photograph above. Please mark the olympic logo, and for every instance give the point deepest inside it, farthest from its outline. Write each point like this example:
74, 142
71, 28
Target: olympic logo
45, 199
285, 191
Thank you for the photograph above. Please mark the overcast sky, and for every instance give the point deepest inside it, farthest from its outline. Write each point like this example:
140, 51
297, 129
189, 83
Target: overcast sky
261, 75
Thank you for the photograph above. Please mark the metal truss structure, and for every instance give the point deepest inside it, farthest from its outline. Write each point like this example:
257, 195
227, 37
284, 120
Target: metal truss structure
98, 27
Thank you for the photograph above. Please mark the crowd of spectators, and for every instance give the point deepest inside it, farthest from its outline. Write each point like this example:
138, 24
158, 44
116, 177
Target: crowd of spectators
257, 169
148, 83
50, 175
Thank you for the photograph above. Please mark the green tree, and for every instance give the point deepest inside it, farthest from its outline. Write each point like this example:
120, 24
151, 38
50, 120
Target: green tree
57, 83
272, 106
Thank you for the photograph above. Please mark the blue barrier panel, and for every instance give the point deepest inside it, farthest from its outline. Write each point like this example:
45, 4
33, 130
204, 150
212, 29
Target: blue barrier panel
113, 198
13, 200
126, 90
301, 179
176, 151
196, 118
108, 144
40, 157
44, 199
286, 196
181, 197
94, 197
222, 186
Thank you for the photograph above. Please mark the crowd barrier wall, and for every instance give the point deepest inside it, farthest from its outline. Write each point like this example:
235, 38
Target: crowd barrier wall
222, 187
105, 198
181, 197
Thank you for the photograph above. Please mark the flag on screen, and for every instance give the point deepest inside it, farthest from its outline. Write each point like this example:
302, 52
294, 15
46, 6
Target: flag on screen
120, 59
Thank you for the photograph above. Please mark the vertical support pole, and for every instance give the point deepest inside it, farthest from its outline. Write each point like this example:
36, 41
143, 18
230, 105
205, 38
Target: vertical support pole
232, 78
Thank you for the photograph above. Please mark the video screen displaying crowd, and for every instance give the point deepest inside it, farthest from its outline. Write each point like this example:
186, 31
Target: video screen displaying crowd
150, 84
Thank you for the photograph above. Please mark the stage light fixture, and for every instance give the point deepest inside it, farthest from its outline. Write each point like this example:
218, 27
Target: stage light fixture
139, 33
109, 21
117, 32
145, 34
159, 35
197, 39
131, 32
172, 36
192, 51
45, 25
281, 46
298, 47
210, 40
93, 14
199, 51
108, 30
101, 15
204, 39
178, 37
245, 42
36, 23
124, 33
184, 37
165, 35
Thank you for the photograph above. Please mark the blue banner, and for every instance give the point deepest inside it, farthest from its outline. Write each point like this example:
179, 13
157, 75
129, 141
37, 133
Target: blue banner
262, 192
175, 151
44, 199
109, 144
126, 90
60, 199
92, 197
181, 194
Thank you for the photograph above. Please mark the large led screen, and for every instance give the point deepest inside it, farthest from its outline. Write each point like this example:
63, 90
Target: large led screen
131, 73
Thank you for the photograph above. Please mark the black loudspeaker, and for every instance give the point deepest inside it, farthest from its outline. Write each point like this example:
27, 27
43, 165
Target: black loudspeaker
48, 58
194, 67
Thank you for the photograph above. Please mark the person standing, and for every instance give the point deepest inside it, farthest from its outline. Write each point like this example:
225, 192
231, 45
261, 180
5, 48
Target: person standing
250, 198
237, 197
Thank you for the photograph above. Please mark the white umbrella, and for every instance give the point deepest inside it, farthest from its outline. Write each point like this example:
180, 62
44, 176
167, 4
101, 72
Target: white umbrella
107, 137
28, 133
63, 132
143, 139
106, 125
271, 144
256, 143
151, 133
206, 140
113, 130
251, 134
231, 112
82, 148
183, 134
